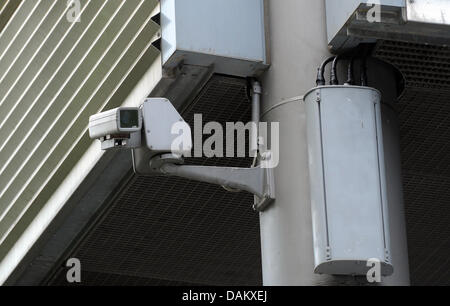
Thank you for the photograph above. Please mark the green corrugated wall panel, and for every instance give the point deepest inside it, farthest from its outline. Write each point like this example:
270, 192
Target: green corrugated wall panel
53, 75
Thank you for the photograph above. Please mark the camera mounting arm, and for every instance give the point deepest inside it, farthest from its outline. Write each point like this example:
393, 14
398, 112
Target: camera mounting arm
156, 128
258, 181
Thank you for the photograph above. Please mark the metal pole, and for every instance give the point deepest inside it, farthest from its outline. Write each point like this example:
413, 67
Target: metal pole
298, 46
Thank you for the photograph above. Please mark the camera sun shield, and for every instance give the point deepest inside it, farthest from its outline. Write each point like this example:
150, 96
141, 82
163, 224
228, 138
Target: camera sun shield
117, 123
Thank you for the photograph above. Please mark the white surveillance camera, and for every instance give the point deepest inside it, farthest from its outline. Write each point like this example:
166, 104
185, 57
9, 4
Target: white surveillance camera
154, 128
117, 128
118, 121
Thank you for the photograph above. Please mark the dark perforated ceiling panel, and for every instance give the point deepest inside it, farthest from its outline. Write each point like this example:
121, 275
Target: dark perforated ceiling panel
424, 113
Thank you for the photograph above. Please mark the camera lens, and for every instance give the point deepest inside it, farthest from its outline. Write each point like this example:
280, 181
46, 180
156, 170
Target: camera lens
129, 119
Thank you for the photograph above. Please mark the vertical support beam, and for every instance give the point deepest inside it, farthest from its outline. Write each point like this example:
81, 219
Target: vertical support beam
298, 46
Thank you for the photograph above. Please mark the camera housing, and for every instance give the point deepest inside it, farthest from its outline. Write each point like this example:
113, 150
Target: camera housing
118, 121
154, 128
117, 128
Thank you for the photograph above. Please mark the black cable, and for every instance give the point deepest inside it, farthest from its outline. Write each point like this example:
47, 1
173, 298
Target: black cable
334, 78
350, 79
365, 53
321, 71
364, 71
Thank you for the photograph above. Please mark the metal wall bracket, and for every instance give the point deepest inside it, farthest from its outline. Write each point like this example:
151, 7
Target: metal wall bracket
258, 181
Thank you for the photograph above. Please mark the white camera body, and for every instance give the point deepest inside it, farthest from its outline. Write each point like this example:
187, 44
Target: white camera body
155, 128
119, 128
115, 122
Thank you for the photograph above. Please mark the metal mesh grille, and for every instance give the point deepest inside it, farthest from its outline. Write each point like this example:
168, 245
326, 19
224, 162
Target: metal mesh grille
427, 199
424, 66
424, 114
179, 231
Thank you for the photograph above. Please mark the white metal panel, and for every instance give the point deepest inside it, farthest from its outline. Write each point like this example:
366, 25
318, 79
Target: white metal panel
232, 28
351, 160
348, 189
160, 119
352, 22
427, 11
55, 74
229, 35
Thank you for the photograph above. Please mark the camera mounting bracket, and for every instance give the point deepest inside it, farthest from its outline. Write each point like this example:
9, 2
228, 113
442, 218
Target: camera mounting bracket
258, 181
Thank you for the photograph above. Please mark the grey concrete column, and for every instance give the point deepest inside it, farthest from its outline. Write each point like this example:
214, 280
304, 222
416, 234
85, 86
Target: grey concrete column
298, 46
